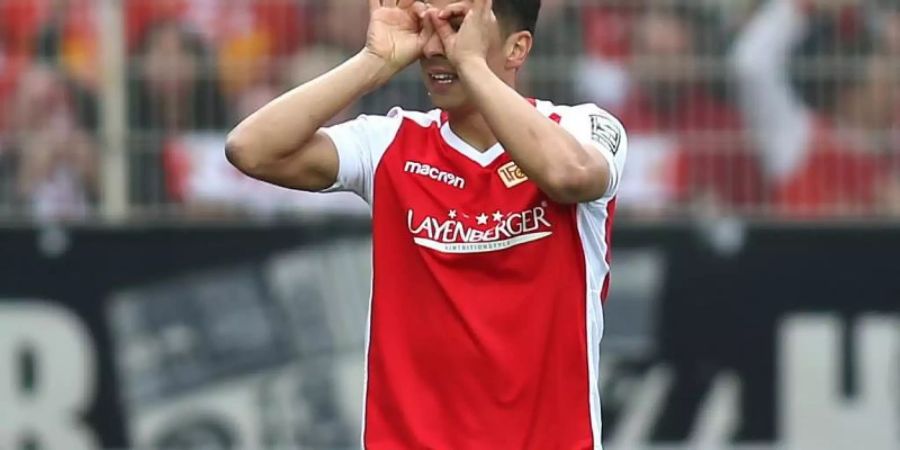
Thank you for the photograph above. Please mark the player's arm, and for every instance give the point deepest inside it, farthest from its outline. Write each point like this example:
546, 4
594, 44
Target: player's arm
282, 142
565, 169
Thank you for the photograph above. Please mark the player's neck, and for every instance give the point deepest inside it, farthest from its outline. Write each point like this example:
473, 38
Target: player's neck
472, 128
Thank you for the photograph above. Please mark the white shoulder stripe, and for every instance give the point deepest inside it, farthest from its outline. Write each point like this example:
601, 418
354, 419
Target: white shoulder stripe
544, 107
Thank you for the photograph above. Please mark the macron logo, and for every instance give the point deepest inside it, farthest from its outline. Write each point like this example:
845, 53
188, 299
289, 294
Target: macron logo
435, 174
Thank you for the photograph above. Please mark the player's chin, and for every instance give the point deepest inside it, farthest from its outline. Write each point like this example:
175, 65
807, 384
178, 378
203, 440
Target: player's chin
448, 101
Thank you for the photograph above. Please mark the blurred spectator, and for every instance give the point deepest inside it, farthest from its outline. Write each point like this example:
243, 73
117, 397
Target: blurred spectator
218, 21
827, 155
172, 84
57, 159
685, 141
20, 21
826, 144
270, 74
8, 77
68, 37
67, 41
172, 90
885, 17
200, 179
252, 38
558, 43
248, 37
10, 67
602, 71
59, 33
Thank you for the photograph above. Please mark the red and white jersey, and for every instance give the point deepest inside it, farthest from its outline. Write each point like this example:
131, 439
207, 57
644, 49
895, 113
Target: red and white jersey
487, 295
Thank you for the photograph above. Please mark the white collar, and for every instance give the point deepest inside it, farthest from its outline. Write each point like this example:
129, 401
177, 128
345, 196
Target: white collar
483, 159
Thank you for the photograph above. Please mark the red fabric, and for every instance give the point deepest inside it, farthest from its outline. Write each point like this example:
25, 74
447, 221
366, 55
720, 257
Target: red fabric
79, 46
695, 112
479, 328
178, 167
710, 157
606, 32
140, 15
283, 20
733, 176
20, 22
835, 179
10, 69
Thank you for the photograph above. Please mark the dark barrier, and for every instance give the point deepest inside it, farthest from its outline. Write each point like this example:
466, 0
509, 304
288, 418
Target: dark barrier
80, 269
251, 337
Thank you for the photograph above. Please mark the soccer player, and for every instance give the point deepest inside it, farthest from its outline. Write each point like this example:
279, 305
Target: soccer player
491, 228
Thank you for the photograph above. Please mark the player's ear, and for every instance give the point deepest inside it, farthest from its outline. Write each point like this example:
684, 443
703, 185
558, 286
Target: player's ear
518, 46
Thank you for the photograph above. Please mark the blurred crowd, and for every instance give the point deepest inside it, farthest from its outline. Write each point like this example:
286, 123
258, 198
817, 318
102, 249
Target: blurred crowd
767, 108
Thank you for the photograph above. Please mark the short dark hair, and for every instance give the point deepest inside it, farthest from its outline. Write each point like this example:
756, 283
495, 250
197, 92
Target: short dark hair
518, 15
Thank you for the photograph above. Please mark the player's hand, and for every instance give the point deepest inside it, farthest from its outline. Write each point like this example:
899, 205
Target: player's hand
473, 38
397, 32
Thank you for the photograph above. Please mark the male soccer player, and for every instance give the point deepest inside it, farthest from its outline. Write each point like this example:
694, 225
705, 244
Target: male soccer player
491, 228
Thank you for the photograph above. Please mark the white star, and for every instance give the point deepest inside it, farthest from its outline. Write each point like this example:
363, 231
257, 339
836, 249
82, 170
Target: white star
452, 214
498, 216
482, 219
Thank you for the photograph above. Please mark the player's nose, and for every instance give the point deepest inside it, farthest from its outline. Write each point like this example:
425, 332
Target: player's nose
433, 48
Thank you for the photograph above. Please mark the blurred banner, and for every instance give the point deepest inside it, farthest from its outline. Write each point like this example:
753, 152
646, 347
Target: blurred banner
237, 338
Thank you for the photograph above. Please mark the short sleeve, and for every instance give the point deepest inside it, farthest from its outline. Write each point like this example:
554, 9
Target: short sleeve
360, 145
599, 129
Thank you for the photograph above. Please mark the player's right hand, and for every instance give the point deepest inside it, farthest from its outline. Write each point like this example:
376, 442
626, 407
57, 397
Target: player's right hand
397, 33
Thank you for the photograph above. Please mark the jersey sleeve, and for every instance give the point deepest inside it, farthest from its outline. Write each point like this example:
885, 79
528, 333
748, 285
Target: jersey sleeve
598, 129
360, 145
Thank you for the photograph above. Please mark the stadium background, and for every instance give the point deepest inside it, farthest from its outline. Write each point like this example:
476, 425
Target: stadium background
150, 297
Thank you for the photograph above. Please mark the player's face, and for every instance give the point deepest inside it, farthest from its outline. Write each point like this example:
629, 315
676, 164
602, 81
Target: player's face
441, 78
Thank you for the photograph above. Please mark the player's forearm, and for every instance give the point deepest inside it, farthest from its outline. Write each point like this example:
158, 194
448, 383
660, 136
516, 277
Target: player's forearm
544, 151
284, 125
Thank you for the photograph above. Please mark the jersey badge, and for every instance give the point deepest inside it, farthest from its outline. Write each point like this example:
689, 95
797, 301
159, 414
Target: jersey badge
512, 175
605, 132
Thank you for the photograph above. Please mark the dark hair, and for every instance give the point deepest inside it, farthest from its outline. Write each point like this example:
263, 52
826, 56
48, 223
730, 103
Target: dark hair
518, 15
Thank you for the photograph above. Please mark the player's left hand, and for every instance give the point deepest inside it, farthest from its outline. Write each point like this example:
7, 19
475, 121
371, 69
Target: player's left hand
473, 38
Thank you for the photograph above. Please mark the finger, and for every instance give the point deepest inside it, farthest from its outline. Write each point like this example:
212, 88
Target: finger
374, 4
441, 27
419, 8
487, 7
427, 26
389, 3
405, 4
454, 9
417, 12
